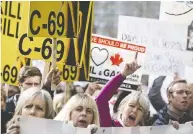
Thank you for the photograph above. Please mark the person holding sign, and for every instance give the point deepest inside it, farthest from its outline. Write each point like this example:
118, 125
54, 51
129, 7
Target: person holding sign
132, 109
81, 111
32, 102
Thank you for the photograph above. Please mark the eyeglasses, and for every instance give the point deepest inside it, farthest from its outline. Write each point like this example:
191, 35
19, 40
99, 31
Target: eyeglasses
180, 92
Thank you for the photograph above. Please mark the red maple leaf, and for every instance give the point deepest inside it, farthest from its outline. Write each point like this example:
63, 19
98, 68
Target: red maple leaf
116, 59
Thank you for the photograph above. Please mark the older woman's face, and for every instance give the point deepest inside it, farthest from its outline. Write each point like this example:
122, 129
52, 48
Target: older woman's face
35, 107
132, 114
82, 116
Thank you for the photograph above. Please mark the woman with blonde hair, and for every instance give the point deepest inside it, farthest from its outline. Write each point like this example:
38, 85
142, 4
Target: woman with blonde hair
132, 110
32, 102
81, 110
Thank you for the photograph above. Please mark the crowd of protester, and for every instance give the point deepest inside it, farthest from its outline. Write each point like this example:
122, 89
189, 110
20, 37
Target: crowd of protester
89, 106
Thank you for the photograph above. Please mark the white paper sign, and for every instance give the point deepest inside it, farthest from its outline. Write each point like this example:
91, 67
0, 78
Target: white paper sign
189, 74
179, 12
109, 56
165, 43
31, 125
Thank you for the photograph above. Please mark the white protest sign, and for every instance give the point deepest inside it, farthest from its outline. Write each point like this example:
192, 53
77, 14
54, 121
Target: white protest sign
189, 74
109, 56
165, 129
32, 125
169, 129
104, 130
165, 42
179, 12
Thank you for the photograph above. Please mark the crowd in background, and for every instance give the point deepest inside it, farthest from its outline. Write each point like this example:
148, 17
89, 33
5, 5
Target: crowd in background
91, 105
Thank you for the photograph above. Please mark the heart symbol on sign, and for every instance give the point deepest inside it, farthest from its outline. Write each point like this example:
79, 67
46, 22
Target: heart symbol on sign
95, 52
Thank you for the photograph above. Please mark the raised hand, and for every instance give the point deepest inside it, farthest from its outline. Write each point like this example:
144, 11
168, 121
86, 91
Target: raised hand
92, 87
131, 67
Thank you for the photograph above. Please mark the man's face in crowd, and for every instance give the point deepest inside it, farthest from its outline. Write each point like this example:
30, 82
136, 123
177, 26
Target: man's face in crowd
179, 97
29, 82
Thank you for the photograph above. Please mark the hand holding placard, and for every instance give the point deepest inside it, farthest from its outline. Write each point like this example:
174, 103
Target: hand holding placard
52, 77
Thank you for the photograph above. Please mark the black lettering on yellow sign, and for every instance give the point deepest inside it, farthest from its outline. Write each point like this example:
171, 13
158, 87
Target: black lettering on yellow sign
7, 27
8, 19
71, 73
24, 52
56, 22
84, 72
7, 10
34, 30
46, 50
9, 73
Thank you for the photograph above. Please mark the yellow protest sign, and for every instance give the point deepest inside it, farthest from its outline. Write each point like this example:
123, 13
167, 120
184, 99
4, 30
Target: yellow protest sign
71, 73
10, 25
40, 48
11, 43
53, 18
69, 50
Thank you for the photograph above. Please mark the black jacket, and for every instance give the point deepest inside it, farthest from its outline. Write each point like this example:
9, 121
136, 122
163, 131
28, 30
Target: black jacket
11, 103
155, 94
5, 117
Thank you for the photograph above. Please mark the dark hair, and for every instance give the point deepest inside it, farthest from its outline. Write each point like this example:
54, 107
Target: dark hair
28, 71
121, 95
